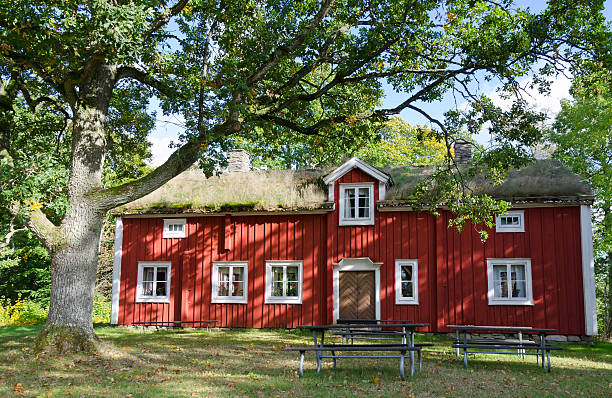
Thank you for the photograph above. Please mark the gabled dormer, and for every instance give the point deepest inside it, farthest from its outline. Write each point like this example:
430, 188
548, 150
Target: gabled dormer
354, 187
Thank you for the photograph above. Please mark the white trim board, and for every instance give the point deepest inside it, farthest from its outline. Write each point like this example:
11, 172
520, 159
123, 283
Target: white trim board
117, 271
361, 165
355, 264
588, 271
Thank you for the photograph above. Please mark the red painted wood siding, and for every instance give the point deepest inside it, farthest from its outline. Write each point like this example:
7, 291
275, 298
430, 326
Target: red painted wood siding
452, 271
255, 239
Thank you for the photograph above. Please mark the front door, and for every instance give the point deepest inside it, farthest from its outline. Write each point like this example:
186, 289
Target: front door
357, 295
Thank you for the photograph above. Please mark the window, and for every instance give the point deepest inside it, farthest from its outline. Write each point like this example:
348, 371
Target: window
153, 282
406, 282
509, 281
175, 228
230, 282
356, 204
284, 282
513, 221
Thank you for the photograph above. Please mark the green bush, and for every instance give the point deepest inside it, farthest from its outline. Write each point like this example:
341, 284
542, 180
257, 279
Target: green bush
101, 309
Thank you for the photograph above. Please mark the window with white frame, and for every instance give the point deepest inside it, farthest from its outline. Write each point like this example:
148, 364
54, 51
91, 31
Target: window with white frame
356, 204
406, 282
284, 282
230, 280
175, 228
513, 221
153, 282
509, 281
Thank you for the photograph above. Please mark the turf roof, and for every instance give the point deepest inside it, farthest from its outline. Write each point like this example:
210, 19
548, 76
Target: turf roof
303, 190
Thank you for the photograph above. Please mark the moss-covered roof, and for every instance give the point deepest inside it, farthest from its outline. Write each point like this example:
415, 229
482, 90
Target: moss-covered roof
543, 181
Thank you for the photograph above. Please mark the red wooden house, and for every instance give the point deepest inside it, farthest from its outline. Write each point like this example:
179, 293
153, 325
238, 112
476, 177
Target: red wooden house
354, 250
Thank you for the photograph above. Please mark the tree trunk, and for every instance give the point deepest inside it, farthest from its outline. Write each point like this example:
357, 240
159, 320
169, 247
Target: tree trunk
75, 243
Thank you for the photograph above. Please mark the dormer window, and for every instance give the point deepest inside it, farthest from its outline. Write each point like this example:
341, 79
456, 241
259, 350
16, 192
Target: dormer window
356, 204
175, 228
513, 221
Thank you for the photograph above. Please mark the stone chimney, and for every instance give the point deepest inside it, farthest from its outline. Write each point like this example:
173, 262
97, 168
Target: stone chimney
239, 160
463, 151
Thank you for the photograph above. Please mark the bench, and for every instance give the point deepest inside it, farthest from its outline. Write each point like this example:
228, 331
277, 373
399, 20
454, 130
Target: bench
369, 334
402, 349
174, 324
503, 346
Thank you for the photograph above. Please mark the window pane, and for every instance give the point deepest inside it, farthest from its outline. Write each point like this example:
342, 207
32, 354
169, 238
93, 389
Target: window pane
277, 274
161, 289
223, 290
406, 271
223, 274
238, 274
518, 289
148, 274
518, 281
292, 274
518, 272
277, 289
407, 289
161, 273
349, 203
147, 289
237, 289
500, 281
292, 289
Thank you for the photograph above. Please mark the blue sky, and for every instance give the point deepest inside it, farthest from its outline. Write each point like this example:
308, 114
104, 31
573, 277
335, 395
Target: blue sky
167, 128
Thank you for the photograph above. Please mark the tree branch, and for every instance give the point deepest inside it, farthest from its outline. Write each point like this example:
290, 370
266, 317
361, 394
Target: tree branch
178, 162
9, 235
164, 17
297, 41
144, 78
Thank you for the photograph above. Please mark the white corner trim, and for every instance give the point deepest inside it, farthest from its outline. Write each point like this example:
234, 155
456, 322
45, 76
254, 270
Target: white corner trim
330, 192
399, 300
355, 264
360, 164
588, 271
117, 271
382, 190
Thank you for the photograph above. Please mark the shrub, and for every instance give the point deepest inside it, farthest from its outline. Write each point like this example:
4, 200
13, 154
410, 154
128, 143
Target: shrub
101, 309
22, 312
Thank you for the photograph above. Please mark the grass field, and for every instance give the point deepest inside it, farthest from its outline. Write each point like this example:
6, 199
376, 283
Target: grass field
251, 363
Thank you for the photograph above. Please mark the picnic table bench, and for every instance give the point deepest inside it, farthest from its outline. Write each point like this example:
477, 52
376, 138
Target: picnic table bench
356, 333
518, 346
406, 349
175, 324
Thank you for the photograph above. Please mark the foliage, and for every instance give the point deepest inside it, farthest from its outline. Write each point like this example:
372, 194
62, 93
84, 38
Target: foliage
25, 312
582, 138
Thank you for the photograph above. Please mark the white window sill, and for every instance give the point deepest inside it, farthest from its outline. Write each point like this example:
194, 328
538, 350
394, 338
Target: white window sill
510, 302
229, 300
407, 301
357, 222
284, 300
153, 299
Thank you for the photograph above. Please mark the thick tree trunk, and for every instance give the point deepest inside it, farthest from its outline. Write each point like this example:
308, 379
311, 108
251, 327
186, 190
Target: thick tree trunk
74, 246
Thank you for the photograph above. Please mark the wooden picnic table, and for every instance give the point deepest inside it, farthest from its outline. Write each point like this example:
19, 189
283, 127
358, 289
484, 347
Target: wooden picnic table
407, 345
499, 346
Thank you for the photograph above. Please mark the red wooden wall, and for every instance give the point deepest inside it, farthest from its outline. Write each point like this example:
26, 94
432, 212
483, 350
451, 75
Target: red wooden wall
451, 266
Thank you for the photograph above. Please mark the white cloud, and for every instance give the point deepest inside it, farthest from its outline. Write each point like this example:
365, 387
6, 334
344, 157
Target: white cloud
166, 131
160, 150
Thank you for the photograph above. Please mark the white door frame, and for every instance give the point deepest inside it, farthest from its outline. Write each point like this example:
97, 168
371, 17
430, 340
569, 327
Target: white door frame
355, 264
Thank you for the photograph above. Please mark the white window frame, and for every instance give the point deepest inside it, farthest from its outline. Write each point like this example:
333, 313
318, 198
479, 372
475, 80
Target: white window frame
174, 234
356, 221
399, 299
283, 299
527, 300
140, 298
216, 299
510, 228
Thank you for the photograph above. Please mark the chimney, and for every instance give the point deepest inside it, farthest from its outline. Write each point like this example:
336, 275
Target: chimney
463, 151
238, 160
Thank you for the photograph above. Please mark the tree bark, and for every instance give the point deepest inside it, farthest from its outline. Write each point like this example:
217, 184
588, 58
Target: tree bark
75, 243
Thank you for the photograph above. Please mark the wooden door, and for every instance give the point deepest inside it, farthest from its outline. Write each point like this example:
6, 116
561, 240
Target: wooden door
357, 295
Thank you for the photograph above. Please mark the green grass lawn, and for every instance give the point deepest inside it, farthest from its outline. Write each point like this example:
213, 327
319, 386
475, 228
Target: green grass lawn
229, 363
